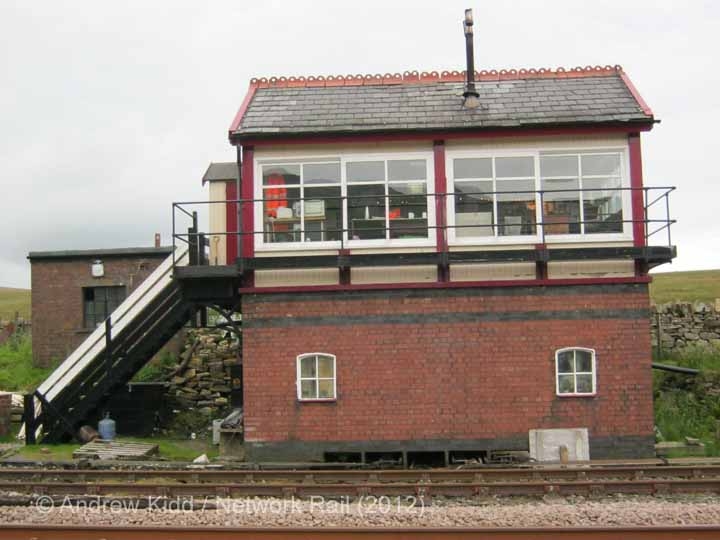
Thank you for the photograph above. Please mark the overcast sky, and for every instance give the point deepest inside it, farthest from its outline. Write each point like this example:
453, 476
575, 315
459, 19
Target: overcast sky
112, 110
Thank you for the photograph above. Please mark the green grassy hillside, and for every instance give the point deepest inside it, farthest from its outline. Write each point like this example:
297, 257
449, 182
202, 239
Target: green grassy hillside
696, 286
14, 301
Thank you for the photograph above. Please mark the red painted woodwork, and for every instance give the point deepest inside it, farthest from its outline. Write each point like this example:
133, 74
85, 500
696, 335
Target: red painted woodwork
636, 181
231, 220
248, 207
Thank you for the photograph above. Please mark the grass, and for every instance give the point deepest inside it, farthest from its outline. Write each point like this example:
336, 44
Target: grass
17, 373
687, 406
696, 286
157, 369
170, 449
14, 301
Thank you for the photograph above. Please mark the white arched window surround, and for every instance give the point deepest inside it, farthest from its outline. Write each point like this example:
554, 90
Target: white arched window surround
575, 372
316, 377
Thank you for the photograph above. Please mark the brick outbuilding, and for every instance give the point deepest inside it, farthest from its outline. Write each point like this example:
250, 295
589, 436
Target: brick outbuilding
69, 301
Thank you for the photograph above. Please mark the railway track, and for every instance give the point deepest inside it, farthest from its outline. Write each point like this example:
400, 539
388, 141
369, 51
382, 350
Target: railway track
424, 476
446, 489
585, 481
49, 532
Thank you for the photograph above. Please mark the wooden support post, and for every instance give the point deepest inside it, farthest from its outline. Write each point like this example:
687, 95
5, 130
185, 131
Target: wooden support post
29, 418
108, 352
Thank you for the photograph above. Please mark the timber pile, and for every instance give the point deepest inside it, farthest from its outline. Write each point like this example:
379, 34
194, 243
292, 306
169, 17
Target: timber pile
99, 449
202, 378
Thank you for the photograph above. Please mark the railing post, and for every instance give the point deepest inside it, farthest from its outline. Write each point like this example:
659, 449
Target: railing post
29, 418
541, 214
108, 350
667, 216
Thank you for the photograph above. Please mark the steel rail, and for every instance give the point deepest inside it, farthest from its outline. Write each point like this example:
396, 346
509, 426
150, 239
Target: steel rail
428, 476
64, 532
460, 489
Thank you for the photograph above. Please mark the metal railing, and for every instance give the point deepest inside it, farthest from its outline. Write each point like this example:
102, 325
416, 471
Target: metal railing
655, 219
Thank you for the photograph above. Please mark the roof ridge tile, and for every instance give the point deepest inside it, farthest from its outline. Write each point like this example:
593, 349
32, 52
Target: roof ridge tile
389, 79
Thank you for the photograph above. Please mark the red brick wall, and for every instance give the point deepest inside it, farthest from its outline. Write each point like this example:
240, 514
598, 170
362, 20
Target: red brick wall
447, 370
57, 300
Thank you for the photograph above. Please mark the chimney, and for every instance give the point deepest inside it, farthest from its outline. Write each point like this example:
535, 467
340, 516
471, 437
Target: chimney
472, 98
157, 239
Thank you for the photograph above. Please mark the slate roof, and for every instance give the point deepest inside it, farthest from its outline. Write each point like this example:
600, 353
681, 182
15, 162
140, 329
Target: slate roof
368, 104
226, 170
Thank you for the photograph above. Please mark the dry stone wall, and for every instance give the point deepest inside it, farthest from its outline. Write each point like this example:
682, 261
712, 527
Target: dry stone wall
680, 324
203, 379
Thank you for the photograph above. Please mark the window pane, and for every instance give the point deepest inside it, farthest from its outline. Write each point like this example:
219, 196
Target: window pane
566, 384
407, 169
308, 389
323, 214
366, 211
325, 389
602, 204
321, 173
325, 367
601, 164
274, 175
516, 207
281, 216
583, 361
561, 212
307, 367
558, 166
514, 166
408, 210
584, 384
473, 208
366, 171
565, 362
472, 168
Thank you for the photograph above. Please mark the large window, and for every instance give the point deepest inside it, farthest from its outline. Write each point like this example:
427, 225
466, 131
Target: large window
387, 199
494, 196
316, 377
581, 193
302, 202
355, 199
575, 372
578, 193
99, 303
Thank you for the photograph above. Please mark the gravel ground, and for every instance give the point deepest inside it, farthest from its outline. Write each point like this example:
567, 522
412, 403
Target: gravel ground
385, 512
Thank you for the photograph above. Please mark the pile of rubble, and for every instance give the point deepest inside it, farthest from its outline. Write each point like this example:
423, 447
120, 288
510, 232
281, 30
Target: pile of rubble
202, 379
680, 324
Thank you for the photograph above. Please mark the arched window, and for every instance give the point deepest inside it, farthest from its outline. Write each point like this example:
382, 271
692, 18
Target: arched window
316, 377
575, 373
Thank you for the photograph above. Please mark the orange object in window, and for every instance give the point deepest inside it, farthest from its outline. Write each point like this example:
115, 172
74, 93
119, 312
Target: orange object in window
275, 197
394, 213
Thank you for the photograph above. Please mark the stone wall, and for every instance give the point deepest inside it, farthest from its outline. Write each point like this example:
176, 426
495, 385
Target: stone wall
203, 379
681, 324
5, 410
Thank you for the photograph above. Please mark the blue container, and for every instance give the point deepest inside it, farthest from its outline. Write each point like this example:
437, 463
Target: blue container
106, 428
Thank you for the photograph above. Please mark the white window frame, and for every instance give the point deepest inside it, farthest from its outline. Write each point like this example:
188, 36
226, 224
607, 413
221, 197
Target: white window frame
593, 361
537, 150
344, 158
317, 377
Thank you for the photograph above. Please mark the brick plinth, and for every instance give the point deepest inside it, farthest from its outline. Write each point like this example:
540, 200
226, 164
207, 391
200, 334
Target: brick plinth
447, 365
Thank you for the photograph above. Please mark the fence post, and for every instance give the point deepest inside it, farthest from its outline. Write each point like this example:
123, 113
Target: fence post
29, 418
